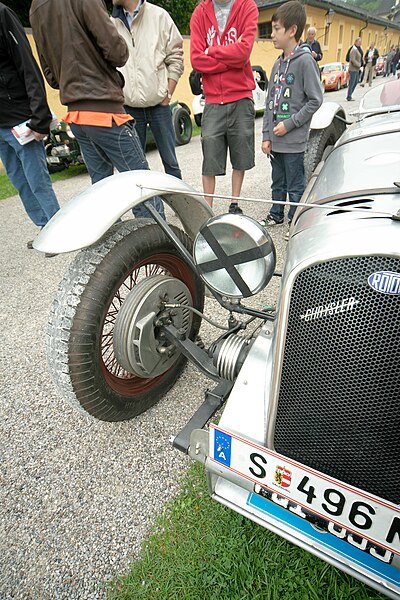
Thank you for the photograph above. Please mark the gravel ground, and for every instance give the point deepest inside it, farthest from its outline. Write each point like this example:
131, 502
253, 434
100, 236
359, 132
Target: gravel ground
79, 496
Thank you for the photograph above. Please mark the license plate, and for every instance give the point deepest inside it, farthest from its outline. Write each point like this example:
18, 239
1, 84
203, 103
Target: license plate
299, 487
53, 159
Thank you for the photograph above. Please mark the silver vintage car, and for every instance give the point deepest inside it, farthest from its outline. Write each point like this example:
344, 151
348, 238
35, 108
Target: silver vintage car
307, 442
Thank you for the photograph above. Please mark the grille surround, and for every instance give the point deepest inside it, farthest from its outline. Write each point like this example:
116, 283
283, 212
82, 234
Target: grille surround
338, 408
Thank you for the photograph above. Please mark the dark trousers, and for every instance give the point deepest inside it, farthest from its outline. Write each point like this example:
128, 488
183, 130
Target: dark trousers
118, 146
287, 180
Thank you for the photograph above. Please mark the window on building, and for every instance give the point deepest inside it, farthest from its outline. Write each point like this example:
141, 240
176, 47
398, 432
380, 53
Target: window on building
339, 55
326, 35
352, 37
340, 41
265, 30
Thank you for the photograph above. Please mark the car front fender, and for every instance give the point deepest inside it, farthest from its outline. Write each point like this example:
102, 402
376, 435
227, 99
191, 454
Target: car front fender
85, 218
324, 116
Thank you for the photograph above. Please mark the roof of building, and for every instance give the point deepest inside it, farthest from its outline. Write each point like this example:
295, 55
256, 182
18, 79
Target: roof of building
338, 6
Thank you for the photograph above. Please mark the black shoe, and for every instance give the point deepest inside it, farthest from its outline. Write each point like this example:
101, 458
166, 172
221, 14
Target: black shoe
29, 245
234, 209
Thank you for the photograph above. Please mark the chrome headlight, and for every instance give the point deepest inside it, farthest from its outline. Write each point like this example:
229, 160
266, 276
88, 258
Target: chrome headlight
234, 255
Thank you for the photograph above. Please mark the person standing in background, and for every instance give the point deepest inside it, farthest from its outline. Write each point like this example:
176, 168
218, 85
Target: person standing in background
355, 62
294, 95
79, 50
151, 72
221, 41
389, 60
23, 99
370, 58
314, 44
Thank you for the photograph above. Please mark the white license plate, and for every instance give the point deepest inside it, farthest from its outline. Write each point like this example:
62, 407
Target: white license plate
345, 506
53, 159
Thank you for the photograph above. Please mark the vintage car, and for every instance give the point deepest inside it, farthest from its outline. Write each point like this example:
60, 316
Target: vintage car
334, 76
259, 94
307, 442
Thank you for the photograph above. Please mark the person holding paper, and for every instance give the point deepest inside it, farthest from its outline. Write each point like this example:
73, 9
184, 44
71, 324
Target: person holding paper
23, 101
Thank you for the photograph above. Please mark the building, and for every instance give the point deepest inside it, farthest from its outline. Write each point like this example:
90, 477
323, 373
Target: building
338, 24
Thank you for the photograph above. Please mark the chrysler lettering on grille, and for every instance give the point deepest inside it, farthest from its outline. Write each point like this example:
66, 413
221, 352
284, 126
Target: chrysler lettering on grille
338, 306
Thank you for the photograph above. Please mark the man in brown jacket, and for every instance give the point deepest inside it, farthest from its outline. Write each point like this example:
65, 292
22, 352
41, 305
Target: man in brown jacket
79, 50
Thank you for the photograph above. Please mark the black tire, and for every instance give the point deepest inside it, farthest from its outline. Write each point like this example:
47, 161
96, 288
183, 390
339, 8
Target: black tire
183, 126
338, 85
197, 119
318, 142
79, 342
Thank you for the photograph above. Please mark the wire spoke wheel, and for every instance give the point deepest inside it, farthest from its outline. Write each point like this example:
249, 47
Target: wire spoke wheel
82, 320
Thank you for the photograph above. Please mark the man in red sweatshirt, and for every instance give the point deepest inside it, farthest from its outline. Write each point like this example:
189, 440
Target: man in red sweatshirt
222, 34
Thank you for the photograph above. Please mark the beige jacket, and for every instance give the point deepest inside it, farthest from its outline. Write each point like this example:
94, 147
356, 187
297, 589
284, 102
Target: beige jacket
155, 55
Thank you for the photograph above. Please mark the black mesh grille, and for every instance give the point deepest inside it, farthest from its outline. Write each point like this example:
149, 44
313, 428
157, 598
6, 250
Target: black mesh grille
339, 399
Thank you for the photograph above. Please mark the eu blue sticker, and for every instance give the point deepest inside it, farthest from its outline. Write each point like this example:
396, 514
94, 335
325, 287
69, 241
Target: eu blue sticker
222, 447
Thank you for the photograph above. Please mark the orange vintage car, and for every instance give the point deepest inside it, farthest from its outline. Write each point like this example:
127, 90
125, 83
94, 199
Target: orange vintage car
334, 76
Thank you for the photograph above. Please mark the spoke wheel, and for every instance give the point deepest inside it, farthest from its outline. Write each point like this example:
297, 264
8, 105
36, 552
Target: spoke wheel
82, 320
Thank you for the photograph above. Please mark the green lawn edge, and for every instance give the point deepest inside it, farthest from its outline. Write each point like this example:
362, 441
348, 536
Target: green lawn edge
201, 550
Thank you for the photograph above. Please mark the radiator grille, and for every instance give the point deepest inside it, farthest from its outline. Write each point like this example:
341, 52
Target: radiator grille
339, 398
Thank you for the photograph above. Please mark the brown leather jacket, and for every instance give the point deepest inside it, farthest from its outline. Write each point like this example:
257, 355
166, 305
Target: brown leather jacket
79, 49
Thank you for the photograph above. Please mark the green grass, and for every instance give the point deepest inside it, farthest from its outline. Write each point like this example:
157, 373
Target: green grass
201, 550
7, 189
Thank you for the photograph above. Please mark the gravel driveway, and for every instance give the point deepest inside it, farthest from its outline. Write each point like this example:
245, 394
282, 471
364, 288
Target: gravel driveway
79, 496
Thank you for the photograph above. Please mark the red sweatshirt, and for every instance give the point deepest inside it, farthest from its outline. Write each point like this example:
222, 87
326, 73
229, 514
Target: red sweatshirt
224, 60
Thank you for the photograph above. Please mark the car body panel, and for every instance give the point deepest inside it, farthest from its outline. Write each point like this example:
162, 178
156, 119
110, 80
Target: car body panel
85, 218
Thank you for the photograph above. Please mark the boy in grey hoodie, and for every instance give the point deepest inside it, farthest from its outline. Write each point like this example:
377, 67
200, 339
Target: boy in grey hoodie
294, 94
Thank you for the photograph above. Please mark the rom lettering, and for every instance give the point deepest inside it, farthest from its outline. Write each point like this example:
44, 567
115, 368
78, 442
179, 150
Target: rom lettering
258, 460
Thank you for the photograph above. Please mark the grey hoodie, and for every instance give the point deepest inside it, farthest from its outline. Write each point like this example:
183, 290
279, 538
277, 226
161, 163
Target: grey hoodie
300, 97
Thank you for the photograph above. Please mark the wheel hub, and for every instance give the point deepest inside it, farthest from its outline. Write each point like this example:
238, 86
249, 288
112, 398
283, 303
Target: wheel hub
139, 345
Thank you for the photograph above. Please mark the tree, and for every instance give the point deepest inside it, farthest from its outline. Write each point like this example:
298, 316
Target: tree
180, 10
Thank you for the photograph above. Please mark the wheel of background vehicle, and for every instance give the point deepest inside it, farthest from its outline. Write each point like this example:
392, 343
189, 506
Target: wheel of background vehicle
53, 167
197, 119
80, 332
318, 142
338, 85
183, 126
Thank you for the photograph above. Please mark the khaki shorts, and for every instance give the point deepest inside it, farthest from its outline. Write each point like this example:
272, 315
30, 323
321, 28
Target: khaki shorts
226, 126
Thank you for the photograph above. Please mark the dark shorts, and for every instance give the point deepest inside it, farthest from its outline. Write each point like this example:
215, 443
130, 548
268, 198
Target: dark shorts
226, 126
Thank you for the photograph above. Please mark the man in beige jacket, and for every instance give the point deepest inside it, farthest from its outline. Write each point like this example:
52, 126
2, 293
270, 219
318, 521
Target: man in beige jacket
151, 73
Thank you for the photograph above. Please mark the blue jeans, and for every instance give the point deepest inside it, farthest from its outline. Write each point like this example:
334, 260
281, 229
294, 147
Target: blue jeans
26, 168
287, 180
159, 119
354, 75
118, 146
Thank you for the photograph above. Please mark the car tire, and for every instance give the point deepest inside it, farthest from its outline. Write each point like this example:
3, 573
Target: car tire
80, 349
182, 125
197, 119
318, 142
338, 85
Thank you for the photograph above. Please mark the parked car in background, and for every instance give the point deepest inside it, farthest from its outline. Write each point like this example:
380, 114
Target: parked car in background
380, 65
334, 76
63, 150
259, 95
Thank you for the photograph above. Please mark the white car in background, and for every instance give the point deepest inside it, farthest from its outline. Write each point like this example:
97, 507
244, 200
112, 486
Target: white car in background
259, 95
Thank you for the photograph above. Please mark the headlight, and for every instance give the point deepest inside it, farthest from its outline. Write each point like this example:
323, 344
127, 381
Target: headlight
234, 255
